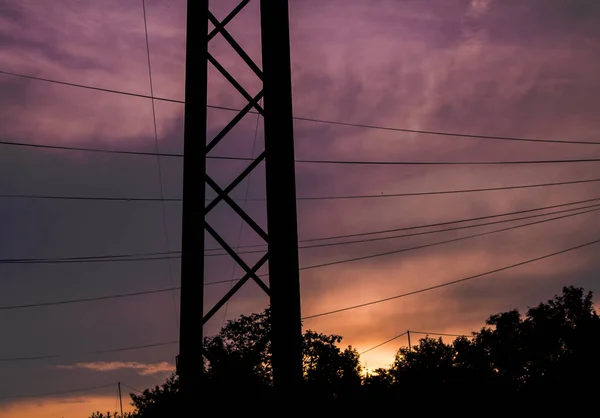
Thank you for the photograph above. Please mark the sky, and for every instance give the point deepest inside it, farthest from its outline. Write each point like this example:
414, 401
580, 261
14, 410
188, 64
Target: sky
483, 67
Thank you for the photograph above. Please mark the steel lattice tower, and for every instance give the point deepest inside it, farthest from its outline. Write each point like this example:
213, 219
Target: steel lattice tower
282, 236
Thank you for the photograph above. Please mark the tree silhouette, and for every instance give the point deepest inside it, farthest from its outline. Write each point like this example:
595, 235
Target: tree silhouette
111, 415
548, 354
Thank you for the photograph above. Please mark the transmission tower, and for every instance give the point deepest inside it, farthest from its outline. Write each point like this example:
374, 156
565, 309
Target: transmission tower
278, 155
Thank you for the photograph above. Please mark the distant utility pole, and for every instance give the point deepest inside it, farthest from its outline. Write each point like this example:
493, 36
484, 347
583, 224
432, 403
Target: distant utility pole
282, 236
120, 399
409, 346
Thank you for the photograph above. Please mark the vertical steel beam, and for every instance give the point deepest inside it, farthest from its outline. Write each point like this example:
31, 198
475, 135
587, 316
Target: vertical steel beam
190, 363
281, 199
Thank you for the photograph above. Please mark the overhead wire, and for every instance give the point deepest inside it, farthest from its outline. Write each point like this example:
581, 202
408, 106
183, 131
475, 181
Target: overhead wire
383, 343
444, 192
383, 162
121, 259
75, 260
64, 392
422, 226
415, 234
158, 164
126, 295
318, 120
442, 133
337, 262
88, 353
322, 161
90, 299
151, 255
442, 334
429, 245
402, 250
305, 161
131, 388
374, 196
87, 87
453, 282
413, 332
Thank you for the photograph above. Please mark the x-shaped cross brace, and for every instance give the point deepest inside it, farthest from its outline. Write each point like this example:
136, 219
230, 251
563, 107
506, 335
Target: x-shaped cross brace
223, 194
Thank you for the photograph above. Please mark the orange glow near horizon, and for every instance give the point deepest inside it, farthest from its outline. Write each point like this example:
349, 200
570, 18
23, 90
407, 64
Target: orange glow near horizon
71, 407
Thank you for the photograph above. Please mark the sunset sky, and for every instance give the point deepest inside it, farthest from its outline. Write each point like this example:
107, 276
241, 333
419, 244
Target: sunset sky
485, 67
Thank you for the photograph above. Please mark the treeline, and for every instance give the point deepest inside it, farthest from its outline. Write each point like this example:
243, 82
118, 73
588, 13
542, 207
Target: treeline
547, 357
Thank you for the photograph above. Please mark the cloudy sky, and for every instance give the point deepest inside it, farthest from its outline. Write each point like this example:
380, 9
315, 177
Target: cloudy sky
484, 67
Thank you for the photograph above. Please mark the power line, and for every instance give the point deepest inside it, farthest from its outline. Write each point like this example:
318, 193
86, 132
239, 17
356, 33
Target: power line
99, 259
382, 195
121, 258
93, 299
414, 332
426, 289
83, 86
303, 161
442, 192
415, 234
384, 343
84, 149
441, 133
479, 218
64, 392
366, 257
307, 161
125, 295
409, 228
96, 198
152, 255
306, 119
112, 350
92, 259
442, 334
133, 389
367, 162
403, 250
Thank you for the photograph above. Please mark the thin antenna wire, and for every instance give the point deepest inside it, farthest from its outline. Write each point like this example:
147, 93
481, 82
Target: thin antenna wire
162, 196
239, 240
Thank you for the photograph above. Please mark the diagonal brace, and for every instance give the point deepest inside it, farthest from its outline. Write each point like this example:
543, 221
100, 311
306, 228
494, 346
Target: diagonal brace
235, 182
234, 289
236, 257
233, 82
237, 208
234, 121
228, 18
221, 28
